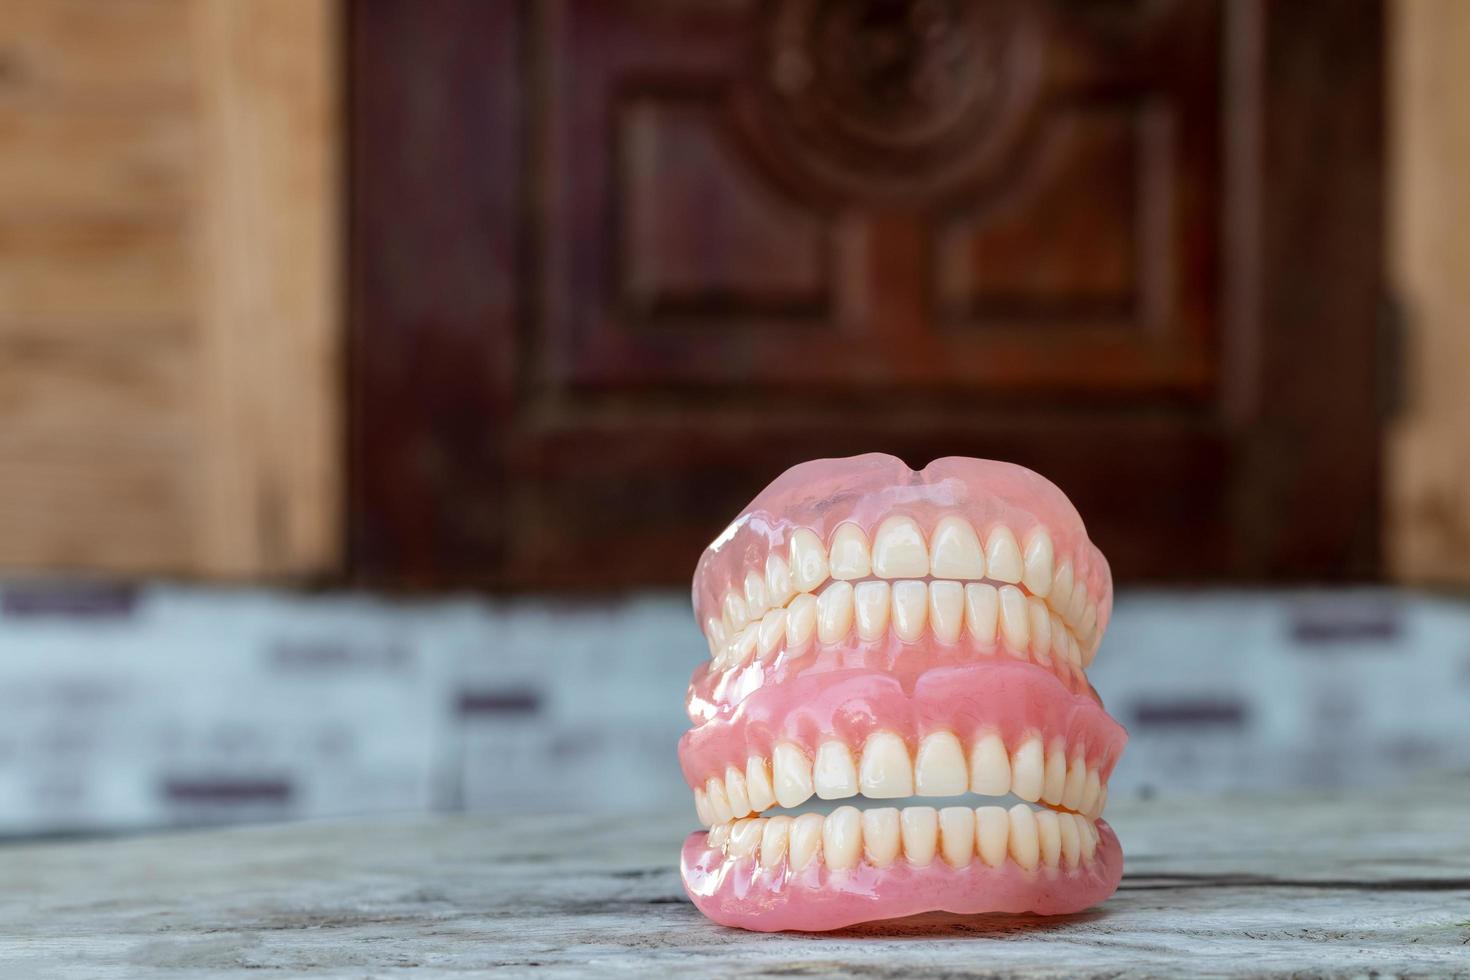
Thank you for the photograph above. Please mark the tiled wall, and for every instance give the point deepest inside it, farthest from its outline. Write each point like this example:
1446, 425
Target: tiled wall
131, 708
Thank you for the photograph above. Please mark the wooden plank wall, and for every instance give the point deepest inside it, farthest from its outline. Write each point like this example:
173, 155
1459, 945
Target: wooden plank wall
1428, 485
168, 292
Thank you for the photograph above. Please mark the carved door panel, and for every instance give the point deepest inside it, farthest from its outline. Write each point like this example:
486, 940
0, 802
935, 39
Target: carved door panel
617, 264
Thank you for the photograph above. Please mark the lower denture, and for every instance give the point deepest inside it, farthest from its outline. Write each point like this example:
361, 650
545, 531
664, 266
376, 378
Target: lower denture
864, 642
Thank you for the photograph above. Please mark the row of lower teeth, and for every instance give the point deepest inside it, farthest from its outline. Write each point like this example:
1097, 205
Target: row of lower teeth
956, 834
886, 770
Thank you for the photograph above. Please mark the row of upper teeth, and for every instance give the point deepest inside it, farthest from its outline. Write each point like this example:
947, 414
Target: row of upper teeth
885, 771
899, 550
879, 837
909, 607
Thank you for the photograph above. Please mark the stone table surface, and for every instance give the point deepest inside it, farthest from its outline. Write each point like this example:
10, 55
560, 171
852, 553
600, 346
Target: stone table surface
1342, 884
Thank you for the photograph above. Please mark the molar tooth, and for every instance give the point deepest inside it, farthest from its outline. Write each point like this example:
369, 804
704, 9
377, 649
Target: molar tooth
990, 767
735, 792
1013, 619
773, 626
1028, 770
1076, 782
849, 556
939, 768
982, 608
1089, 652
1088, 625
743, 646
715, 631
910, 609
745, 837
957, 835
1023, 844
1058, 633
774, 840
701, 808
886, 772
719, 805
1077, 605
1054, 776
755, 594
1037, 565
955, 550
1049, 837
808, 560
946, 610
992, 832
834, 775
1087, 837
880, 836
1090, 790
920, 828
1039, 619
1102, 801
1003, 555
801, 621
842, 838
735, 613
758, 790
899, 550
1071, 839
718, 836
791, 775
1074, 651
779, 589
834, 612
1061, 587
870, 605
805, 839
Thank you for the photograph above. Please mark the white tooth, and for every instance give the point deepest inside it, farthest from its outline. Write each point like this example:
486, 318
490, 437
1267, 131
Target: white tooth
1023, 844
1013, 619
719, 806
992, 831
801, 621
1076, 783
718, 836
946, 610
870, 607
1028, 770
1036, 569
1061, 587
743, 647
715, 631
1089, 622
939, 768
834, 612
910, 609
774, 840
1039, 621
1090, 790
955, 550
779, 589
1003, 555
990, 767
791, 775
735, 613
920, 827
957, 835
1102, 802
755, 594
886, 772
1057, 630
1074, 651
982, 607
758, 785
1049, 837
745, 837
808, 560
1054, 776
1077, 605
849, 557
701, 808
735, 792
805, 839
842, 838
899, 550
1088, 837
880, 836
773, 627
834, 775
1090, 652
1071, 840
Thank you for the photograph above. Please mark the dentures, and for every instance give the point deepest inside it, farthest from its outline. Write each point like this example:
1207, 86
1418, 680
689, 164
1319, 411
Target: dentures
900, 636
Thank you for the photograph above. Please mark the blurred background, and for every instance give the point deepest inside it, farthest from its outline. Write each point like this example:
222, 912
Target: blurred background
372, 372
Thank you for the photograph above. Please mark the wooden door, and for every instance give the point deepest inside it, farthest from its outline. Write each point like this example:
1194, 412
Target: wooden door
616, 264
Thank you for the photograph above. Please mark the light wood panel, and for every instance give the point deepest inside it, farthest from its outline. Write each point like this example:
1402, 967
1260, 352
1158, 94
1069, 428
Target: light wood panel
168, 254
1428, 528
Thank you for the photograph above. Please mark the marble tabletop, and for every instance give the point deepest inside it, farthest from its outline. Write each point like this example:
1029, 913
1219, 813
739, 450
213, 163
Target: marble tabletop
1303, 884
